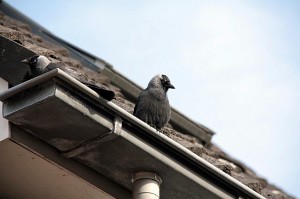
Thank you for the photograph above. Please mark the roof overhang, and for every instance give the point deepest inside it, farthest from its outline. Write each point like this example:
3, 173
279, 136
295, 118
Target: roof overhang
84, 127
26, 174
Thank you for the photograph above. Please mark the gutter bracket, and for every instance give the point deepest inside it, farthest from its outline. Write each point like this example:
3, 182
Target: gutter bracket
117, 129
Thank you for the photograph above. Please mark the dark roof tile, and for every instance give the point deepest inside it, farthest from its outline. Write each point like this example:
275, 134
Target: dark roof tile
11, 34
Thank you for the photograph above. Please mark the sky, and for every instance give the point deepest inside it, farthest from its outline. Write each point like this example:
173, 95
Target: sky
235, 65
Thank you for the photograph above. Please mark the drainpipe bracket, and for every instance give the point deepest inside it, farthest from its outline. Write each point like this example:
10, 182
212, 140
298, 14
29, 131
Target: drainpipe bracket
147, 175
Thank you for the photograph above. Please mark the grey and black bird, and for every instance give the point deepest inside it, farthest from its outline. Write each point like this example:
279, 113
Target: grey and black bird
40, 64
153, 105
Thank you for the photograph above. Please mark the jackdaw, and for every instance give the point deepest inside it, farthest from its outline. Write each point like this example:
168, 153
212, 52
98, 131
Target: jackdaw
40, 64
152, 104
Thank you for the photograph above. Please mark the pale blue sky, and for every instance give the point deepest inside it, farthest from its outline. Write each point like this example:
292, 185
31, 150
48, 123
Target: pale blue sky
235, 65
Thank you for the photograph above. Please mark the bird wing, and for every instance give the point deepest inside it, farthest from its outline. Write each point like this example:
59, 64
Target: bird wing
147, 96
52, 66
137, 104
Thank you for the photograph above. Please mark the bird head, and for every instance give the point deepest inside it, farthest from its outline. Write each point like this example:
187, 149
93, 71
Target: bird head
161, 81
165, 81
37, 61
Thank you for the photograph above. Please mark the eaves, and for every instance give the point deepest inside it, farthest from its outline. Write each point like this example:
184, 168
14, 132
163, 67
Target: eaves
95, 132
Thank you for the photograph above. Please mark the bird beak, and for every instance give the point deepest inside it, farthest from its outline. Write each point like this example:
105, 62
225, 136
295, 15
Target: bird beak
170, 86
26, 61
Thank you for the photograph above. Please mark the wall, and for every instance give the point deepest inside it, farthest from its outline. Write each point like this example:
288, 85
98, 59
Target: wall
4, 131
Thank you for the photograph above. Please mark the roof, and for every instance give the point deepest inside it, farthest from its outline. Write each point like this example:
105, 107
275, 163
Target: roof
129, 89
24, 35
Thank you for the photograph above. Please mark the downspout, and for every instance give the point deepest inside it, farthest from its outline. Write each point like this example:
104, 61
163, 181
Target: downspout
146, 185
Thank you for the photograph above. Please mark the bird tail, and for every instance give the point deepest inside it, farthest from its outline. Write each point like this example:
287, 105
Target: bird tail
107, 94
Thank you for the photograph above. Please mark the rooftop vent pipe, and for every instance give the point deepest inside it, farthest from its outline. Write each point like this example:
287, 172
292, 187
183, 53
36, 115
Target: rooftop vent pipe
146, 185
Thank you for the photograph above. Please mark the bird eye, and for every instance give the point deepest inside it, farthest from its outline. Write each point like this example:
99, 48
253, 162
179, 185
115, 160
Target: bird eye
165, 79
33, 60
